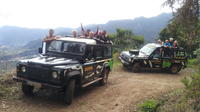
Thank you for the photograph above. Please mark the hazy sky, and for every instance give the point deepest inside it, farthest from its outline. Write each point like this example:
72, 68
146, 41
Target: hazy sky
70, 13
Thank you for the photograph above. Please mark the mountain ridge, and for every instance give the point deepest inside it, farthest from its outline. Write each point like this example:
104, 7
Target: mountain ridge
147, 27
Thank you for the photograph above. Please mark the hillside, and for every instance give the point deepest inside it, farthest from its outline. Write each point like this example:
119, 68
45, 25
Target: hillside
148, 27
11, 53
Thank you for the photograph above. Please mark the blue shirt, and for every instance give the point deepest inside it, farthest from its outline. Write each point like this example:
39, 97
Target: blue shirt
167, 45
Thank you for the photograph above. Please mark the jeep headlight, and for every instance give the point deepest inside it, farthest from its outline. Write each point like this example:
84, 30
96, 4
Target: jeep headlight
23, 69
55, 75
129, 59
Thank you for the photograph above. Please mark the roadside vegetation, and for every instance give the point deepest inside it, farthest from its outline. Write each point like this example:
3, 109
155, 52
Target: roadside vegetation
8, 88
185, 99
184, 27
125, 39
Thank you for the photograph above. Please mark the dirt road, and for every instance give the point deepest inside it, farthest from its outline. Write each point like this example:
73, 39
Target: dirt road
123, 89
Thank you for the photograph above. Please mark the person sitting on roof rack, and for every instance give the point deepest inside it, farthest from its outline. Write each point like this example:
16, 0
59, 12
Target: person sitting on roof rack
85, 33
167, 44
74, 33
51, 36
91, 35
175, 44
171, 41
105, 37
98, 37
174, 48
160, 42
167, 48
97, 32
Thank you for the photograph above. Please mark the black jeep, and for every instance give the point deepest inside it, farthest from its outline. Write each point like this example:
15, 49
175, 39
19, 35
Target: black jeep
154, 57
64, 64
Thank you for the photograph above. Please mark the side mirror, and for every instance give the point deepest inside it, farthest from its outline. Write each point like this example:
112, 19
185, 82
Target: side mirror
40, 50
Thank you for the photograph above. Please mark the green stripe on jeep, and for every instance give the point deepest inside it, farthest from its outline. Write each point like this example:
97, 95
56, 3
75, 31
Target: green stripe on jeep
110, 63
166, 64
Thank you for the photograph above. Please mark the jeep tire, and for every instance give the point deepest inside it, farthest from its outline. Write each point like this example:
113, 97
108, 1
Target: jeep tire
105, 77
69, 92
175, 69
27, 89
136, 67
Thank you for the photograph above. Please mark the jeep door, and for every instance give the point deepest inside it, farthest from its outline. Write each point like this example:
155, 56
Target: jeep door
155, 59
103, 55
89, 65
99, 59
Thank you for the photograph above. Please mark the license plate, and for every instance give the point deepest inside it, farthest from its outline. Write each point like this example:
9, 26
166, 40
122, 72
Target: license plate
35, 84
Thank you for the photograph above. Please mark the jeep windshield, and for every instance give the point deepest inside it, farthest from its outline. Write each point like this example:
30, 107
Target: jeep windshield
66, 47
148, 49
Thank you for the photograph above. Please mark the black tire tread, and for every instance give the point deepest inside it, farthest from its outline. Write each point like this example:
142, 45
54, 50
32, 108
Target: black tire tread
69, 92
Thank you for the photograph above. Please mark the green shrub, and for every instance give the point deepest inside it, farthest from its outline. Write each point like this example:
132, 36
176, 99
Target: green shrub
197, 52
149, 106
192, 89
116, 59
192, 62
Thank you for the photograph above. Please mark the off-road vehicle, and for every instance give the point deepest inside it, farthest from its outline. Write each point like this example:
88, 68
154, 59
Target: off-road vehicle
154, 57
64, 64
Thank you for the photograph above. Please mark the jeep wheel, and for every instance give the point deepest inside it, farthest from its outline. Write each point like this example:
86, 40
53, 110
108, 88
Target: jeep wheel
175, 69
69, 92
27, 89
136, 68
105, 77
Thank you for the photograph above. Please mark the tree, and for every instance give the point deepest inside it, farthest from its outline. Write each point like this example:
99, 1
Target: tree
185, 24
125, 39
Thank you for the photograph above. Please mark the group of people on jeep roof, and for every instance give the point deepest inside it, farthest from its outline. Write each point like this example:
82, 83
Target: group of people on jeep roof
171, 43
100, 36
169, 47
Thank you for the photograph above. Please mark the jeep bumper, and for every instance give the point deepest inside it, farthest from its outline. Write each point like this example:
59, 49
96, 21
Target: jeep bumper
35, 84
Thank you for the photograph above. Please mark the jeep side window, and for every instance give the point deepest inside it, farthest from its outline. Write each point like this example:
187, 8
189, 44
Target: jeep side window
107, 51
98, 52
156, 53
77, 48
89, 52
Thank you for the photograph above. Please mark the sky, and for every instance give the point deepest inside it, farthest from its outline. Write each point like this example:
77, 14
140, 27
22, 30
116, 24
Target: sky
70, 13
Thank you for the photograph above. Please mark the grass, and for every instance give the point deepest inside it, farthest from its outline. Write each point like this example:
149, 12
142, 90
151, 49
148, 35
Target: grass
192, 62
116, 59
174, 101
149, 106
9, 89
116, 62
180, 100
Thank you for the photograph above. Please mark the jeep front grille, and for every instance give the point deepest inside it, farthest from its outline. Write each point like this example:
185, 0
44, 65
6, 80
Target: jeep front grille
37, 73
125, 57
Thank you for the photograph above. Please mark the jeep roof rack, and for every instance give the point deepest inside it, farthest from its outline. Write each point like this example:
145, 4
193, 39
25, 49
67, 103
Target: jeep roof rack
80, 39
